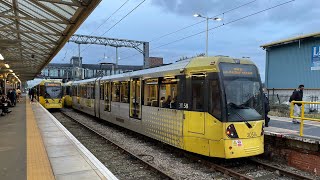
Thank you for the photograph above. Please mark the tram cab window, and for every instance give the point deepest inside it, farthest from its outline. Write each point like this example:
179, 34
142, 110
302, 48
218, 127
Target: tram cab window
168, 93
214, 99
197, 83
151, 92
42, 90
124, 90
101, 91
116, 92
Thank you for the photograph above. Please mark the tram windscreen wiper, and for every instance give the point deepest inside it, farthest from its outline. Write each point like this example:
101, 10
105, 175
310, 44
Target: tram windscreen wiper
242, 106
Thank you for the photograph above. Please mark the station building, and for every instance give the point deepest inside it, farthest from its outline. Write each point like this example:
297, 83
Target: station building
292, 62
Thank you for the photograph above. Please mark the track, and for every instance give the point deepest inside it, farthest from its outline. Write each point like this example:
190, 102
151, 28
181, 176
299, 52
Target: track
135, 167
245, 168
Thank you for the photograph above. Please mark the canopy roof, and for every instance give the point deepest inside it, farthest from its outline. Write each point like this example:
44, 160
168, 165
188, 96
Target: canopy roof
32, 32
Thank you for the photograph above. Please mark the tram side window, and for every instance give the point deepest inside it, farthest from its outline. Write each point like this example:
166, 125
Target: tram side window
197, 82
124, 92
101, 91
151, 92
90, 94
83, 91
115, 92
214, 99
168, 93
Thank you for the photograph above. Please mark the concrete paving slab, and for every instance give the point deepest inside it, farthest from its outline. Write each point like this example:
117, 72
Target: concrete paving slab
55, 141
88, 175
69, 164
62, 150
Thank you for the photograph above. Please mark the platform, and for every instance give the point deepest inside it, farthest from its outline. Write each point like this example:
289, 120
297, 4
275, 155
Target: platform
34, 145
283, 127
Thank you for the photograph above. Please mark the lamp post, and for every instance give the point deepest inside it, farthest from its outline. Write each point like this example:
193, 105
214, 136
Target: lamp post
207, 30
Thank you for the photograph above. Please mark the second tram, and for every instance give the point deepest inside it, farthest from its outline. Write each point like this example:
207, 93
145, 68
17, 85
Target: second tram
50, 94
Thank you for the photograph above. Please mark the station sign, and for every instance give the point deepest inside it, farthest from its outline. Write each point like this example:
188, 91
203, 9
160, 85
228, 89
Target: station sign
315, 58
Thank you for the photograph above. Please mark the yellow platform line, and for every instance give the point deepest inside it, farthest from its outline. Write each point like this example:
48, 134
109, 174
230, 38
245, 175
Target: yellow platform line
38, 165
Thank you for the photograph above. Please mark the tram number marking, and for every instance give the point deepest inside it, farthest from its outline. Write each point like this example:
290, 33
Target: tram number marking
183, 105
251, 134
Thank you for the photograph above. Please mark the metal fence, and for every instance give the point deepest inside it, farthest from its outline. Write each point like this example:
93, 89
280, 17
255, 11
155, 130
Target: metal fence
282, 101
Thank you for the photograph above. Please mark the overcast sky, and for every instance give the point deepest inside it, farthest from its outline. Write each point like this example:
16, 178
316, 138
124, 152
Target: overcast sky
155, 18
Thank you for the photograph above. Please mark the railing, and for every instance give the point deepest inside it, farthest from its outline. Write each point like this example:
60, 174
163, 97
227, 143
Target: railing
302, 118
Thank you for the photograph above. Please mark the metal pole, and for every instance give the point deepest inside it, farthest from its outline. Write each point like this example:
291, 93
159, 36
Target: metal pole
79, 55
207, 36
117, 58
112, 69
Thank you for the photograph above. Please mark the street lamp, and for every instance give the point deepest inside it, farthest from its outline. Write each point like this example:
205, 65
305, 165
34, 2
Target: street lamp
207, 18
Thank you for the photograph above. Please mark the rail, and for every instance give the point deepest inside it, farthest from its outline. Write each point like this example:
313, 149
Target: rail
302, 117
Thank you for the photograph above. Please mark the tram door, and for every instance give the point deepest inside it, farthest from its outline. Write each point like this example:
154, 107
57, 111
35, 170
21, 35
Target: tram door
197, 119
135, 98
107, 94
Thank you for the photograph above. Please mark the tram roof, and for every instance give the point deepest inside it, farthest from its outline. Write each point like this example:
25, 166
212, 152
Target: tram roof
199, 63
32, 32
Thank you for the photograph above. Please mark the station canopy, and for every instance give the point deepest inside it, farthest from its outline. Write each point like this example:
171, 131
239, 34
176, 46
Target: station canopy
32, 32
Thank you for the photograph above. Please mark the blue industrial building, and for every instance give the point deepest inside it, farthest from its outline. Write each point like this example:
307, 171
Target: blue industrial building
291, 62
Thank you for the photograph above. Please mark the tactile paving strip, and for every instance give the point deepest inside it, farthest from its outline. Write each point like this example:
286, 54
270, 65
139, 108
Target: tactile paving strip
38, 165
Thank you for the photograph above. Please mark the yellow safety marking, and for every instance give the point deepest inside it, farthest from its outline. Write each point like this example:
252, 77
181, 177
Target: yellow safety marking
38, 165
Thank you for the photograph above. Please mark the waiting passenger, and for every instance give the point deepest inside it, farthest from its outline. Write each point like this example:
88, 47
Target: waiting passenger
168, 102
162, 101
174, 103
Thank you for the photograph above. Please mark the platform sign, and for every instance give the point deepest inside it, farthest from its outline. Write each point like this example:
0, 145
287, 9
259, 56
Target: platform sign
315, 58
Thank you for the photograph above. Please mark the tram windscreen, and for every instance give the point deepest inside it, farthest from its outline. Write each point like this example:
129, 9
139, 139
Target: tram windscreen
53, 90
242, 88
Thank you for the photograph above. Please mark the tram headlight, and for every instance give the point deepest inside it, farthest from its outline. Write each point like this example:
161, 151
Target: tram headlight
231, 131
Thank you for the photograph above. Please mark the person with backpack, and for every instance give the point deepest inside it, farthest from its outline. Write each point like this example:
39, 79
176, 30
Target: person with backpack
297, 95
266, 108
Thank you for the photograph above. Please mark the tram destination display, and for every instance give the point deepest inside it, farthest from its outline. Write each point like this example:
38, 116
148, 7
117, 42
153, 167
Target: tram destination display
238, 70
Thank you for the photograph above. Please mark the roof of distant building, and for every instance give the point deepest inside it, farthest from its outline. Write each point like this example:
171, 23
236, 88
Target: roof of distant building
290, 40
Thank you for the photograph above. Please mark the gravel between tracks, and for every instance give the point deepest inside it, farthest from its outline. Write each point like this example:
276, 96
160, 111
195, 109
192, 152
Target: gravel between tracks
178, 167
150, 150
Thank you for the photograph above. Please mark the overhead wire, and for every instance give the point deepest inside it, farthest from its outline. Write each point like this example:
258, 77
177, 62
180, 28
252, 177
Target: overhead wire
117, 22
123, 4
186, 27
230, 22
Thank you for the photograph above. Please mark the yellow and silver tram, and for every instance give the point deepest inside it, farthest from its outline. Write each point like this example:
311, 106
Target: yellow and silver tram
67, 99
208, 105
50, 94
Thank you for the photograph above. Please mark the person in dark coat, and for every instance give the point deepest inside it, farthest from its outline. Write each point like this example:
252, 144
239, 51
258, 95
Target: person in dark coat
297, 95
266, 109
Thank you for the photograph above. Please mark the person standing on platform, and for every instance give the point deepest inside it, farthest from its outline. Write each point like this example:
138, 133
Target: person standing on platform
18, 94
32, 94
266, 107
297, 95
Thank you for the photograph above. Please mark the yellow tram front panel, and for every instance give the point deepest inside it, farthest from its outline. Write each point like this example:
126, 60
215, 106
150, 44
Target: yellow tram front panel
250, 141
50, 103
67, 101
204, 134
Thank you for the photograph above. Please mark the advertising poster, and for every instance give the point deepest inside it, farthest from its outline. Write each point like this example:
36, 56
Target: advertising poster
315, 58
